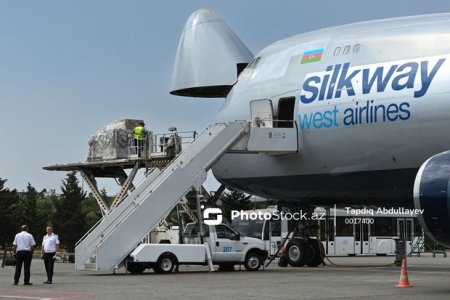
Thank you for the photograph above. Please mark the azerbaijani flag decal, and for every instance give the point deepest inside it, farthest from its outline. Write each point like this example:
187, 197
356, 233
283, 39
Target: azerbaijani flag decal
312, 56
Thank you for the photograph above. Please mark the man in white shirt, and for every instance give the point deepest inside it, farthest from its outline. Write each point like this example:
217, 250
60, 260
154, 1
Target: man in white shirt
50, 248
23, 250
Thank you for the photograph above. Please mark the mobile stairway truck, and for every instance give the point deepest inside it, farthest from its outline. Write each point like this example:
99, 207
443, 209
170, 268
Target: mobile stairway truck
222, 246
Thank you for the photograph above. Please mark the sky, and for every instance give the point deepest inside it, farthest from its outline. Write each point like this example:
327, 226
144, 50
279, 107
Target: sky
69, 68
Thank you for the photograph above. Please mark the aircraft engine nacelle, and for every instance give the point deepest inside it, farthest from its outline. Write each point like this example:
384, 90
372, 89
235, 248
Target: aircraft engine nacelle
432, 194
209, 58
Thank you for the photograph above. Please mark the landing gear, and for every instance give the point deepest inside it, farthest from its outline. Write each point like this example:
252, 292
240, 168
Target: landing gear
303, 248
319, 252
298, 252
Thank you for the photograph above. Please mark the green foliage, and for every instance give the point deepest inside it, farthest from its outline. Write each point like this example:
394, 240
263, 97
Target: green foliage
28, 206
9, 223
71, 214
70, 220
91, 210
46, 210
105, 196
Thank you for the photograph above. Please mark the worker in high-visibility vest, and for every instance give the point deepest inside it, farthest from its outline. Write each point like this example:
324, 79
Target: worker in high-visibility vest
139, 137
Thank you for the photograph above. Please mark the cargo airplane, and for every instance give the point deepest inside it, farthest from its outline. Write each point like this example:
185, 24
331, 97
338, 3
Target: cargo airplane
371, 102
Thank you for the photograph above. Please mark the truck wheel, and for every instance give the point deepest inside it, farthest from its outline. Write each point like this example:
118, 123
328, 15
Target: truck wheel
165, 264
318, 251
226, 267
253, 261
299, 252
135, 267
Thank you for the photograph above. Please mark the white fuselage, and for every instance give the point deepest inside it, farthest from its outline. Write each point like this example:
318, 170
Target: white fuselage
371, 105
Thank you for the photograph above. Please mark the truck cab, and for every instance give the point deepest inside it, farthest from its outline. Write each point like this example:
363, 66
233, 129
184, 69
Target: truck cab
227, 245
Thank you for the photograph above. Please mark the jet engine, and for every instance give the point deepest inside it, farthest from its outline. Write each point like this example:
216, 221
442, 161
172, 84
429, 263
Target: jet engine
209, 58
432, 195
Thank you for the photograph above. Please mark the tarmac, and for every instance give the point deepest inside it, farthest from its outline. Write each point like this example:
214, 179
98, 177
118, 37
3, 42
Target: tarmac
375, 280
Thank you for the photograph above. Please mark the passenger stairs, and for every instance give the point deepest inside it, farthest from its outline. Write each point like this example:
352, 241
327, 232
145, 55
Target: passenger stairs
107, 245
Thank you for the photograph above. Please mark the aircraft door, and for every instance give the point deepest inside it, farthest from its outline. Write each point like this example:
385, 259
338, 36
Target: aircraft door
286, 108
261, 113
266, 138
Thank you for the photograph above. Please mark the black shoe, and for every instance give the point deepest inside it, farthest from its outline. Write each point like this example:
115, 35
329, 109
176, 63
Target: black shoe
47, 282
27, 283
15, 282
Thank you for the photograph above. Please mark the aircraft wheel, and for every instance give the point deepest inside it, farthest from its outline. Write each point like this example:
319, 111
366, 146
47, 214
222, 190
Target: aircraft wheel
299, 252
318, 251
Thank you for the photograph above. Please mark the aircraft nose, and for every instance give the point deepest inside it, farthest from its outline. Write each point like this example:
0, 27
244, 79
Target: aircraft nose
208, 56
201, 16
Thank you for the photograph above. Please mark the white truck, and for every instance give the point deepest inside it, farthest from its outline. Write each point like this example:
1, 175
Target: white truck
226, 247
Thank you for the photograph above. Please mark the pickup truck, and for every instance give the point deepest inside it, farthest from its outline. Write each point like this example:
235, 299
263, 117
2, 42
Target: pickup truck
227, 248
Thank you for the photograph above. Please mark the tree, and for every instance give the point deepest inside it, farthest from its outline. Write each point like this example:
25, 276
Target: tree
234, 200
45, 209
70, 217
28, 205
9, 223
107, 199
91, 210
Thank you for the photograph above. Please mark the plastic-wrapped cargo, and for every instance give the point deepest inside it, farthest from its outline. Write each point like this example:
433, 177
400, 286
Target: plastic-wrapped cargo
113, 141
